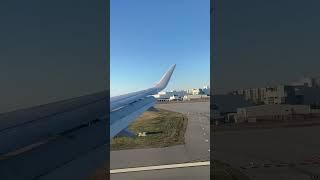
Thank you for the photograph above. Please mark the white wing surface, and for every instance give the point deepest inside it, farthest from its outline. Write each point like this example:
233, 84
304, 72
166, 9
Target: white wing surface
67, 139
124, 109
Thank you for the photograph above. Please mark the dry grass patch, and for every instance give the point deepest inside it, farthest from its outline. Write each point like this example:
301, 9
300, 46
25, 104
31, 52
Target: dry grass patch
164, 128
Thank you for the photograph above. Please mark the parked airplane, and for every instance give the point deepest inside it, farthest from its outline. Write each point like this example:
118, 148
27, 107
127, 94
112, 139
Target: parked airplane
124, 109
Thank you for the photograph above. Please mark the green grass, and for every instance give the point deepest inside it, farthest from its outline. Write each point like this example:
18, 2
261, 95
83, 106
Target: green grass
168, 128
222, 171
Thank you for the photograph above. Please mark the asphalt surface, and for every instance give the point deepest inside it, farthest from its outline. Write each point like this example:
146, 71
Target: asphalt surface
190, 173
279, 153
196, 148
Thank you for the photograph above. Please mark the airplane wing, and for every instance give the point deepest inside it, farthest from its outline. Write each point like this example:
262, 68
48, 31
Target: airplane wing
61, 140
124, 109
67, 139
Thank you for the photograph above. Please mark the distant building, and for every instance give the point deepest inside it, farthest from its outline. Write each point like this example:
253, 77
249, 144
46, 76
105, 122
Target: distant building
272, 112
170, 95
162, 95
256, 95
308, 95
195, 91
190, 94
280, 95
217, 117
299, 100
189, 91
195, 97
228, 103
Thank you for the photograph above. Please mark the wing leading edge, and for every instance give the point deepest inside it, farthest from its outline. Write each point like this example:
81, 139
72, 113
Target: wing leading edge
124, 109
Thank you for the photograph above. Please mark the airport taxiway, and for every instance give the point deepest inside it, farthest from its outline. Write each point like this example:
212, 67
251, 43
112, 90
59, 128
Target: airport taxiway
186, 173
195, 149
277, 153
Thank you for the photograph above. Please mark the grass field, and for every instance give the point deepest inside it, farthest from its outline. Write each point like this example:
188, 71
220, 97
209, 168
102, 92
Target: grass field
164, 128
168, 129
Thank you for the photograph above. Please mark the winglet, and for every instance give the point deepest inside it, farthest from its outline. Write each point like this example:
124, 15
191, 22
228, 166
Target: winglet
165, 78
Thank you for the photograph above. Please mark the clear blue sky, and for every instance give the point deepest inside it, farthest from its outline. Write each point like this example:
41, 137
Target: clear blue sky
148, 36
262, 43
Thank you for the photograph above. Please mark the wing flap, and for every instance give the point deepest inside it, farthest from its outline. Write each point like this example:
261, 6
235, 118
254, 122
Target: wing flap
122, 118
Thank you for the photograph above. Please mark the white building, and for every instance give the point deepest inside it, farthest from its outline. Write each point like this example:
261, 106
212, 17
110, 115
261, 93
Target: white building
189, 91
271, 112
189, 94
162, 95
195, 91
280, 95
256, 95
194, 97
170, 95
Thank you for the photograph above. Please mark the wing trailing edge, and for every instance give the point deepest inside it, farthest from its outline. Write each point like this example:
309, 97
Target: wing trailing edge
124, 109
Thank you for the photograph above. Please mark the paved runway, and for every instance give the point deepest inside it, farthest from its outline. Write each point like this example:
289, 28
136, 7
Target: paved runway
191, 173
279, 153
196, 148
